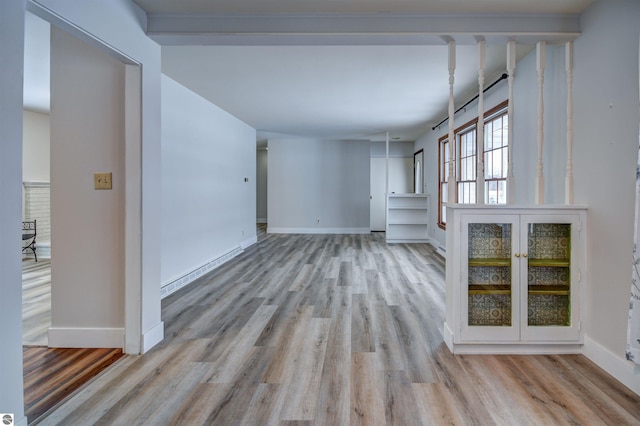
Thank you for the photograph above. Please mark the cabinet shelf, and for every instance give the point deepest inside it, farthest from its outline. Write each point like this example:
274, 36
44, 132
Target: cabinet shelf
556, 290
489, 289
490, 262
550, 262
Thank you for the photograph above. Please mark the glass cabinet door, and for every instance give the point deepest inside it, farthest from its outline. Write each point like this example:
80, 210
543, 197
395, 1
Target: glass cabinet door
550, 304
491, 296
549, 274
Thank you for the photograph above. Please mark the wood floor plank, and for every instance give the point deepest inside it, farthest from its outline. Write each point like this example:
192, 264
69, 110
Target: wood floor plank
227, 366
362, 333
334, 330
334, 397
367, 390
302, 383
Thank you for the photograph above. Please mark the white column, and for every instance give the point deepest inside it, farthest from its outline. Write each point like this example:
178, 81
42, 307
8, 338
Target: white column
541, 62
386, 166
511, 69
482, 54
568, 51
451, 186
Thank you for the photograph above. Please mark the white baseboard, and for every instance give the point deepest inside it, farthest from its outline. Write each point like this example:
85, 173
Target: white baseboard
249, 242
20, 422
261, 220
271, 230
174, 285
70, 337
152, 337
447, 336
626, 372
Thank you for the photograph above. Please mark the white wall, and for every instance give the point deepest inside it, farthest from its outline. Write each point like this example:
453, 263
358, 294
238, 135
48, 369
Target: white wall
207, 207
87, 136
318, 186
396, 149
35, 148
606, 144
262, 177
11, 72
117, 27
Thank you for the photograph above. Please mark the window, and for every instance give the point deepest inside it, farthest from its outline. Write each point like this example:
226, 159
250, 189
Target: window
496, 158
466, 173
443, 167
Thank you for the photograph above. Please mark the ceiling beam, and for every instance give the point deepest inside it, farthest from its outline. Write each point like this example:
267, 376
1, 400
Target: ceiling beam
359, 29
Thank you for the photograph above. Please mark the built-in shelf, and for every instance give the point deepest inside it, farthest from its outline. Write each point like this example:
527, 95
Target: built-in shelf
407, 218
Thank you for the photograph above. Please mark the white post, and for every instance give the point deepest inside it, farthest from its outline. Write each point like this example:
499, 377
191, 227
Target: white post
482, 54
386, 165
568, 51
541, 62
451, 186
511, 69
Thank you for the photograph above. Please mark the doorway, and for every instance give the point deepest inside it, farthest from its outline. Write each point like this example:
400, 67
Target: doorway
94, 128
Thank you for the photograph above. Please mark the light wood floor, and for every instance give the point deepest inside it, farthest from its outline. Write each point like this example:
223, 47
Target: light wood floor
36, 301
334, 330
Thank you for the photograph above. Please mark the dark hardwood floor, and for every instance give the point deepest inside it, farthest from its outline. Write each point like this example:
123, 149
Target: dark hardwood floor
51, 375
334, 330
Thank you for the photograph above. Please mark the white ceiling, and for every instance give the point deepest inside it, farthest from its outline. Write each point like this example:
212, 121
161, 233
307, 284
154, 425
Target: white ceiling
330, 91
331, 88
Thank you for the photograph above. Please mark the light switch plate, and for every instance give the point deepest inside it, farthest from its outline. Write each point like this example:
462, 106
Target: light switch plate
102, 180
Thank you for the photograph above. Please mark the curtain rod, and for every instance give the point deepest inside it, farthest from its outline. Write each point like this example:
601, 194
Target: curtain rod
502, 77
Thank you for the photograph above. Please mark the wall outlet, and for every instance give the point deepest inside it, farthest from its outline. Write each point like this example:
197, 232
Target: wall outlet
102, 180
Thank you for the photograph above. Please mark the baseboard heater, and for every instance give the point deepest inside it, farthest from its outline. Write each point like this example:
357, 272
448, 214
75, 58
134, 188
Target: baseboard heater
173, 286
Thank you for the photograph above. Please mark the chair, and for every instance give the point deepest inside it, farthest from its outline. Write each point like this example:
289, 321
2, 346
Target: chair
29, 232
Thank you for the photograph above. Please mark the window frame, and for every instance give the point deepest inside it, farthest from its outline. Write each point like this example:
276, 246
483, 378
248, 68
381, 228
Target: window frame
499, 110
443, 177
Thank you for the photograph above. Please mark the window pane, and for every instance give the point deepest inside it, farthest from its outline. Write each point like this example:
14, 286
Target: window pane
488, 129
505, 161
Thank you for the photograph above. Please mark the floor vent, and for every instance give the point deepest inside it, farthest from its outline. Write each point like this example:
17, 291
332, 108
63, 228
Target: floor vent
186, 279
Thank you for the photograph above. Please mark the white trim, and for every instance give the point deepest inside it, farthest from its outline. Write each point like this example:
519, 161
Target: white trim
174, 285
622, 370
271, 230
36, 184
75, 337
261, 220
152, 337
448, 336
517, 349
407, 240
249, 242
21, 422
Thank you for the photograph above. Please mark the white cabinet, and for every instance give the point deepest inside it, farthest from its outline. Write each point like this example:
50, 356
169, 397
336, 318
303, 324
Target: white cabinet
514, 279
407, 218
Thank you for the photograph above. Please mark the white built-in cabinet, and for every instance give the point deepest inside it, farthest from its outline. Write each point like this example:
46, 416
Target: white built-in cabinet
407, 218
515, 279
